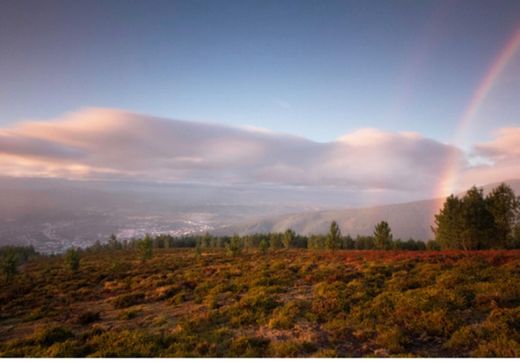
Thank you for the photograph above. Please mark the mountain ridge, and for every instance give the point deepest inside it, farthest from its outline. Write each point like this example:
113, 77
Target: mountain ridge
407, 220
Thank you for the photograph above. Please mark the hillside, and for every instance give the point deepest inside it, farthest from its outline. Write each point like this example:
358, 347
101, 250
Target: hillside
288, 303
53, 215
407, 220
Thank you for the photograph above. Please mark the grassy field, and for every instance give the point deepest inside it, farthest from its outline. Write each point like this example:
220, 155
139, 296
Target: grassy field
286, 303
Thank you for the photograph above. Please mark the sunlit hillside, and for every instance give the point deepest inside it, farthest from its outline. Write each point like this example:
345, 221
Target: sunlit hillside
285, 303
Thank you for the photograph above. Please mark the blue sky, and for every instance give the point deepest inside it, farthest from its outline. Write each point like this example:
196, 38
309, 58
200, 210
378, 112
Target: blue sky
318, 69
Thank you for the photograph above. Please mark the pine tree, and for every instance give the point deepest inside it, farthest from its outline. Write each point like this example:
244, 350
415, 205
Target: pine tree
264, 246
478, 227
145, 248
198, 248
505, 207
275, 240
72, 259
448, 224
206, 241
235, 246
288, 238
9, 265
383, 236
333, 240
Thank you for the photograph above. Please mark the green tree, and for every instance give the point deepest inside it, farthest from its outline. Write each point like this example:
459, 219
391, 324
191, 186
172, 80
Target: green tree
235, 246
198, 248
383, 236
348, 242
72, 259
264, 246
432, 245
288, 238
504, 206
9, 265
448, 224
478, 226
206, 241
145, 248
160, 242
113, 243
275, 240
515, 239
316, 242
333, 240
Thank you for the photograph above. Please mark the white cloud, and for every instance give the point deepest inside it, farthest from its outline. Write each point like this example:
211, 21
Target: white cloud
502, 156
102, 143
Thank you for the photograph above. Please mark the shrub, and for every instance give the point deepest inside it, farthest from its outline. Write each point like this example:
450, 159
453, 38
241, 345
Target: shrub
88, 317
254, 307
69, 348
329, 299
248, 347
127, 300
50, 335
496, 336
391, 339
284, 317
502, 346
291, 348
125, 344
129, 313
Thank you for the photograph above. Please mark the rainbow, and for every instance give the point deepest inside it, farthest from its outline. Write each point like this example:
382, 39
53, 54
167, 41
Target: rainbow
449, 176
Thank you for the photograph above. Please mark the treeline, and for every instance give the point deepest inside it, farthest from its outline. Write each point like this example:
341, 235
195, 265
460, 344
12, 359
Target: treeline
472, 222
475, 221
382, 240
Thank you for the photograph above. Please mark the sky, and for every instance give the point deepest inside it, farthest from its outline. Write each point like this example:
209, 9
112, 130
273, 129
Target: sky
331, 86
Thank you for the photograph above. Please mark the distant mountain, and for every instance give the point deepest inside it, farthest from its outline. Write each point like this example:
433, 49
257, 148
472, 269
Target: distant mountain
407, 220
54, 215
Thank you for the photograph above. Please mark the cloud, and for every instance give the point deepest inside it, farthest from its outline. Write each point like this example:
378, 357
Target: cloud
506, 146
114, 144
503, 156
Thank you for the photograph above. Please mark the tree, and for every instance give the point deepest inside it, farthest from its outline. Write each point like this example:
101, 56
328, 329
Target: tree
9, 265
275, 240
113, 243
316, 242
235, 246
206, 240
505, 207
348, 243
448, 224
264, 246
333, 240
159, 242
145, 248
72, 258
515, 239
198, 252
383, 236
288, 238
432, 245
478, 227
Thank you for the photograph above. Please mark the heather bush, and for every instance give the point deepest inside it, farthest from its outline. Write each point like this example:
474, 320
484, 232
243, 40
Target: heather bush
127, 300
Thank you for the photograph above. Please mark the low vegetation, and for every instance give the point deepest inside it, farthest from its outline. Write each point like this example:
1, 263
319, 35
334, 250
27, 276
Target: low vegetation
287, 302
